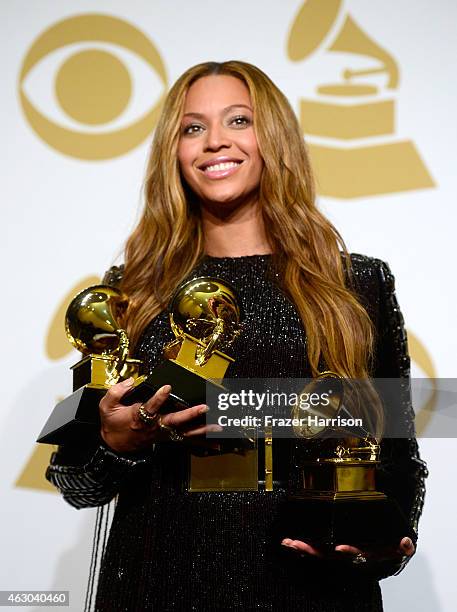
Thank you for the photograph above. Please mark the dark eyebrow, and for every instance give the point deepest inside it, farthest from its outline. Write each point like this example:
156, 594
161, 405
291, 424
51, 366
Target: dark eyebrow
226, 110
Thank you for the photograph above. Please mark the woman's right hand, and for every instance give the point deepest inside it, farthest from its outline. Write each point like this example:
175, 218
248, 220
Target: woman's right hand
123, 430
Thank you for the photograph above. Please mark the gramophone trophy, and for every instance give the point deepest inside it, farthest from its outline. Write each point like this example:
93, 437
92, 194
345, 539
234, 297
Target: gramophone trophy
205, 317
336, 501
91, 326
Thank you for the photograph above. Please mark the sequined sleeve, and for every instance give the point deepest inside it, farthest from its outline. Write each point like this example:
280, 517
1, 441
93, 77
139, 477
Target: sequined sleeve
402, 472
92, 477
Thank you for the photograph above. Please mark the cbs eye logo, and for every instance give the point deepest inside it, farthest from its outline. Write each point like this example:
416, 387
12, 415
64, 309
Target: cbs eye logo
91, 109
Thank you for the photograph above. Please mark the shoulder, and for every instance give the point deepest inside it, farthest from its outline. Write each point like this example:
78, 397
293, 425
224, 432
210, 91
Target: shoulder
371, 267
369, 273
373, 282
113, 276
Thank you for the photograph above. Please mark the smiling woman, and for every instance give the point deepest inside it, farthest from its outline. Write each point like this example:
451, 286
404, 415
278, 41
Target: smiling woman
218, 152
229, 194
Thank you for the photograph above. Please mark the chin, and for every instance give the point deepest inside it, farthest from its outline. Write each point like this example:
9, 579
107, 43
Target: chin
228, 203
221, 197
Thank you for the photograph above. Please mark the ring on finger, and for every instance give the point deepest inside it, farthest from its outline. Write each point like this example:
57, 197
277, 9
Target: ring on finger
173, 434
146, 417
360, 558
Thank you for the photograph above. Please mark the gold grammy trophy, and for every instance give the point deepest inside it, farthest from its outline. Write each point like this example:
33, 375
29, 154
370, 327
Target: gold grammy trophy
351, 124
205, 317
338, 502
92, 327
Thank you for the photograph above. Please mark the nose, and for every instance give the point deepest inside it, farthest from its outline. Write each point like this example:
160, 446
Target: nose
216, 138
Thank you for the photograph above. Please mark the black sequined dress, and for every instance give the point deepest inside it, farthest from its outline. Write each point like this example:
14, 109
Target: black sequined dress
169, 549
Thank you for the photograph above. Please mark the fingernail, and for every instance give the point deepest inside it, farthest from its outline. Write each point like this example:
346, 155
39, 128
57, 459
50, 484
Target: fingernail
215, 428
165, 389
204, 409
128, 382
408, 542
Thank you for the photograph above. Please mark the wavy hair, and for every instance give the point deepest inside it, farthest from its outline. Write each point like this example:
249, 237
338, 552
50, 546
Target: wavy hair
168, 240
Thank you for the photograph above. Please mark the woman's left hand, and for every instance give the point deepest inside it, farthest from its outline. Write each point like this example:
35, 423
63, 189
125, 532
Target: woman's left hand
405, 548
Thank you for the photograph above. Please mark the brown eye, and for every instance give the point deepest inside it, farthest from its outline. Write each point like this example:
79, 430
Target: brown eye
192, 129
240, 121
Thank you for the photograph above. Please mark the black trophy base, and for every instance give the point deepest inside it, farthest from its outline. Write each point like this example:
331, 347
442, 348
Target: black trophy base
187, 388
75, 419
324, 523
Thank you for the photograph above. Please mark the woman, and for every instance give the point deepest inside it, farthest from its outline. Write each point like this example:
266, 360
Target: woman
229, 193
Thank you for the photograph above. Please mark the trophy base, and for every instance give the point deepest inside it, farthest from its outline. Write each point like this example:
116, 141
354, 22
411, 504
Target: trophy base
75, 419
234, 467
375, 521
187, 387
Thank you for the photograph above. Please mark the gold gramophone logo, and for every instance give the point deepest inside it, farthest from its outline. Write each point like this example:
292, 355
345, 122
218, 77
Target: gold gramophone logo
357, 113
93, 87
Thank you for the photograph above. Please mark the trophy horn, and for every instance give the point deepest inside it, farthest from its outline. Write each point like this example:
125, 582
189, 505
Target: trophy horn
338, 398
92, 324
208, 309
328, 386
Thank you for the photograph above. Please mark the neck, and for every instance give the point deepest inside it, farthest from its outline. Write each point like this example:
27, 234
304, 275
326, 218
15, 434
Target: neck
234, 233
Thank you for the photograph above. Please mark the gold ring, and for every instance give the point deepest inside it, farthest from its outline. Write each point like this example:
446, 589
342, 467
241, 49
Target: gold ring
360, 558
146, 417
173, 434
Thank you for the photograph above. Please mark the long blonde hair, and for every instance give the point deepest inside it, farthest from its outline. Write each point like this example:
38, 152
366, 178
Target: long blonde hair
168, 240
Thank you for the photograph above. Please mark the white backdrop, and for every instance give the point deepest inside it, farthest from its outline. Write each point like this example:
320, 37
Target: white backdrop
66, 217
